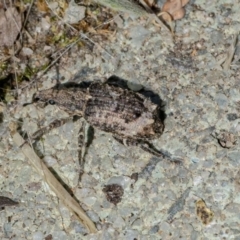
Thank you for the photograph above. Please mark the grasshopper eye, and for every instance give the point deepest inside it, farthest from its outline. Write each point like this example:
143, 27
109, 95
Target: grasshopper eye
52, 102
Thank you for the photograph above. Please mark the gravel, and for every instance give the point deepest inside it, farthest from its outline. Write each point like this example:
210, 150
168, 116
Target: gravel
200, 99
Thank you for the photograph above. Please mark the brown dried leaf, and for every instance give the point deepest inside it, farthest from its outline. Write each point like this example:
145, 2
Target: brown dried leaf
42, 6
172, 6
175, 8
179, 14
104, 32
184, 2
10, 26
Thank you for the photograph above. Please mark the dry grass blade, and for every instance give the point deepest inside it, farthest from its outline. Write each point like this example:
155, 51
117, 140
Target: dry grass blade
133, 8
58, 189
127, 6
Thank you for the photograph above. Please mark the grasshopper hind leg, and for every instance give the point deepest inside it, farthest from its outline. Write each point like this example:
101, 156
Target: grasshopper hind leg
146, 146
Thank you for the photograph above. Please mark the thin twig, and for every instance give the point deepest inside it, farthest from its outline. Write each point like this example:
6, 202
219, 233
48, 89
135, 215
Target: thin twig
28, 12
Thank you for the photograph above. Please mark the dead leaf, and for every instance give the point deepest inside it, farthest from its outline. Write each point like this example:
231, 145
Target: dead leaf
10, 26
184, 2
179, 14
104, 31
175, 8
172, 6
42, 6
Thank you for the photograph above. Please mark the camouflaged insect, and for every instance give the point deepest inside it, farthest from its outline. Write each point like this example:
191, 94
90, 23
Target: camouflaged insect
131, 117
